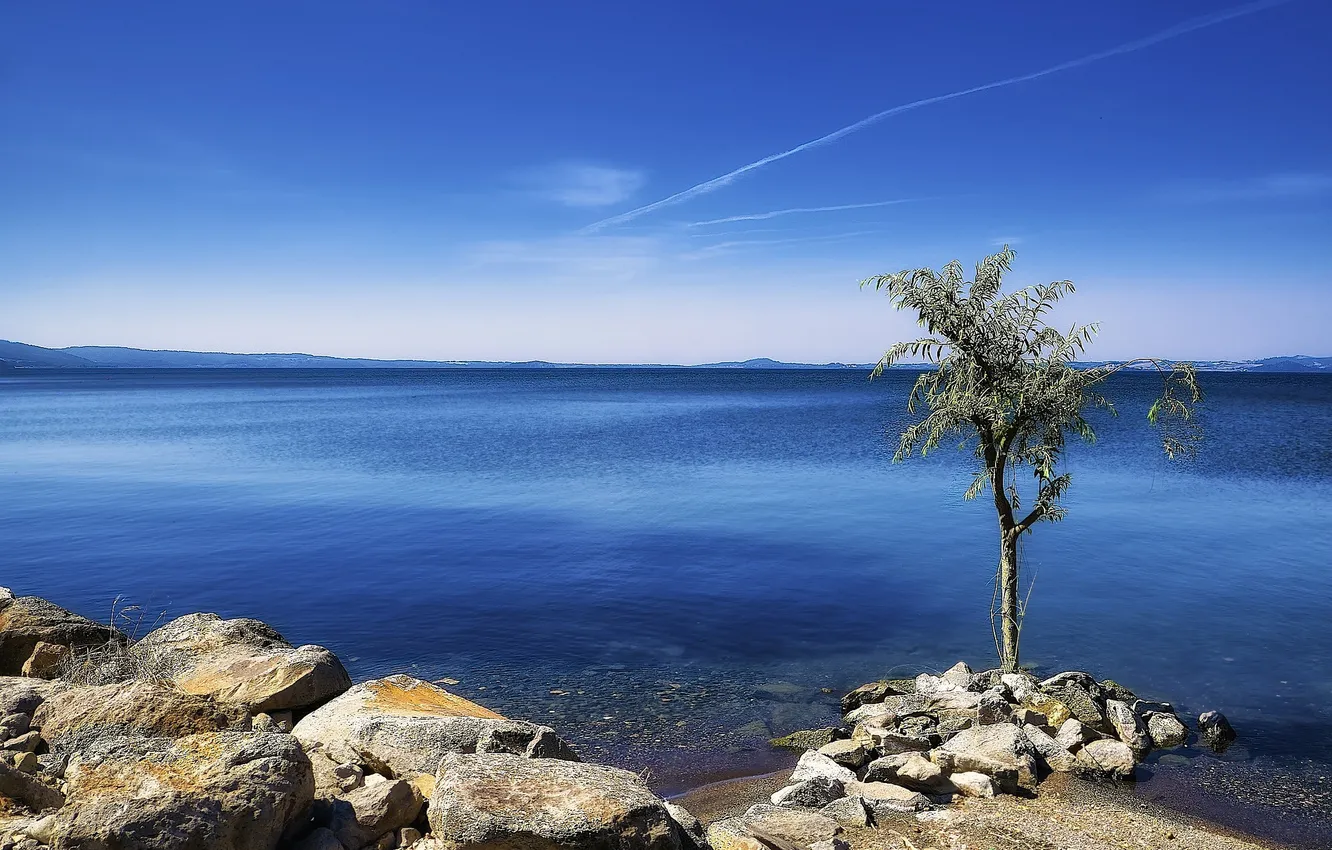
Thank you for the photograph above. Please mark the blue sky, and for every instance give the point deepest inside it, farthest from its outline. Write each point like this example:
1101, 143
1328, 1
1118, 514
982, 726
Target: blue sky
480, 181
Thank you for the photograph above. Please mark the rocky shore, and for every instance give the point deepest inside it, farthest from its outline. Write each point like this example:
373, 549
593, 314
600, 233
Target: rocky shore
211, 734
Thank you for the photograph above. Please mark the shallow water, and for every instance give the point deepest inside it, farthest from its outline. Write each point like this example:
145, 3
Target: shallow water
670, 565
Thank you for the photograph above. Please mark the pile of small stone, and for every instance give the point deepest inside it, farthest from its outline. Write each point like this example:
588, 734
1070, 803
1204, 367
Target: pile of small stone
910, 744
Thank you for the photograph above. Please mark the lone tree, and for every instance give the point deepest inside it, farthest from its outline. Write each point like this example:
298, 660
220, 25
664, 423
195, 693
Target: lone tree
1006, 384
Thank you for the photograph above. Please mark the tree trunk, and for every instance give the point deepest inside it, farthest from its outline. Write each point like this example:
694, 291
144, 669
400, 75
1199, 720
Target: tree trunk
1008, 600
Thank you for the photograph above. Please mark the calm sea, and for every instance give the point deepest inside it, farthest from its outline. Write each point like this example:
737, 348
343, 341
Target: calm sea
671, 566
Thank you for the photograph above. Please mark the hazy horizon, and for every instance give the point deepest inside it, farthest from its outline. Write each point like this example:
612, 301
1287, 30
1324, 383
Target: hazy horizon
686, 185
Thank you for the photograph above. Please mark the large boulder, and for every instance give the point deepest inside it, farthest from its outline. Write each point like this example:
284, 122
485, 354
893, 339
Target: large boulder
1128, 727
132, 708
1001, 752
402, 727
22, 696
910, 770
373, 811
1105, 758
29, 620
850, 753
868, 694
815, 764
1166, 730
500, 800
813, 793
1049, 752
1215, 730
17, 785
244, 662
884, 797
760, 824
214, 791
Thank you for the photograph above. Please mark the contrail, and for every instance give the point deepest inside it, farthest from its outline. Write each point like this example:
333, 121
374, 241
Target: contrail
1177, 30
775, 213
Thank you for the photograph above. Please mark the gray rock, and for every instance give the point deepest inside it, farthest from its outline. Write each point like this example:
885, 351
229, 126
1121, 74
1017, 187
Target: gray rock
26, 762
372, 811
1215, 730
13, 725
1001, 752
22, 696
244, 662
959, 674
1073, 734
1166, 731
971, 784
1143, 707
407, 836
952, 722
848, 811
29, 620
1110, 689
1105, 758
502, 800
868, 694
930, 685
1049, 752
850, 753
1080, 701
813, 793
883, 798
690, 829
994, 707
1019, 684
868, 712
910, 770
402, 727
1128, 727
813, 764
28, 742
349, 777
1084, 681
889, 741
228, 791
791, 824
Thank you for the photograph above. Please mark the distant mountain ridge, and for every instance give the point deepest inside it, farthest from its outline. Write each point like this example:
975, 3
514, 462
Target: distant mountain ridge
18, 355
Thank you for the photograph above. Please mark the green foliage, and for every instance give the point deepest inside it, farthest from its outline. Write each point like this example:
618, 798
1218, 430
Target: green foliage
1005, 382
1005, 379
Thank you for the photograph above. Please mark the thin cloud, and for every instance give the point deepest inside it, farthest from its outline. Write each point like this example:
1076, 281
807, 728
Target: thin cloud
797, 210
1270, 187
1184, 28
582, 185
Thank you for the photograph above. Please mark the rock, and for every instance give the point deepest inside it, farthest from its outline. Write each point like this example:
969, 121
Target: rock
867, 694
53, 764
1128, 727
971, 784
884, 797
349, 777
22, 696
888, 741
213, 791
813, 793
959, 674
850, 753
28, 742
372, 811
689, 828
1166, 731
868, 712
1084, 681
1054, 710
985, 680
1110, 689
1054, 755
930, 685
46, 660
13, 725
807, 739
402, 727
134, 708
26, 762
847, 811
1215, 730
19, 786
1018, 684
994, 707
1105, 757
1073, 734
1028, 717
791, 824
910, 770
952, 722
1143, 707
320, 839
1080, 702
813, 764
30, 620
407, 836
502, 800
1001, 752
244, 662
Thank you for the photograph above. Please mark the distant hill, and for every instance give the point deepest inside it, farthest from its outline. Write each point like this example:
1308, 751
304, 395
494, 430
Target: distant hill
18, 355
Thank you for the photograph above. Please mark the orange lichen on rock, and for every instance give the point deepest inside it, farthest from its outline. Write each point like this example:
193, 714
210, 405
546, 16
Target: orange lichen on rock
404, 696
